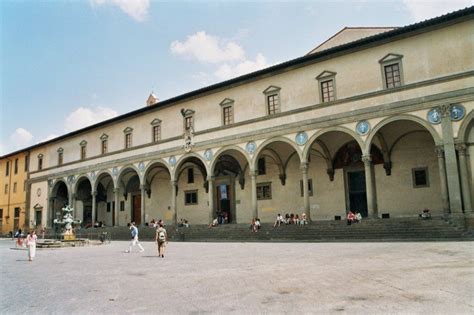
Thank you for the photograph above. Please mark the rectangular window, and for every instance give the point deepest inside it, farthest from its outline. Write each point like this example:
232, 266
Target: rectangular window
191, 197
262, 169
327, 90
104, 146
420, 177
6, 189
227, 114
83, 152
264, 191
17, 212
272, 104
310, 187
190, 175
122, 205
1, 217
156, 133
392, 75
60, 158
14, 187
16, 166
24, 185
40, 163
108, 206
188, 123
7, 169
128, 140
27, 163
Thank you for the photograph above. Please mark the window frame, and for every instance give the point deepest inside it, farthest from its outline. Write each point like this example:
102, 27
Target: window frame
60, 156
83, 150
413, 176
104, 144
128, 138
260, 185
269, 92
262, 165
322, 78
390, 60
190, 175
15, 167
227, 103
186, 192
40, 162
27, 163
7, 168
155, 130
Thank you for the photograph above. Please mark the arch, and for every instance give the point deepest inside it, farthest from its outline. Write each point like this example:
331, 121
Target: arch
321, 132
386, 121
267, 142
154, 164
100, 175
222, 150
80, 179
463, 135
183, 160
55, 188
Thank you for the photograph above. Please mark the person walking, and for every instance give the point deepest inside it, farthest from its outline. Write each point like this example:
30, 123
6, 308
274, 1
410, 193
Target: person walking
134, 241
161, 238
31, 244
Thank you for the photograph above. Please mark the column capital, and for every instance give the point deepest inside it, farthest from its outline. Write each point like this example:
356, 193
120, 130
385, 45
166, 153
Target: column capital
142, 187
253, 173
94, 193
210, 178
116, 190
445, 110
173, 182
367, 158
439, 149
304, 167
461, 148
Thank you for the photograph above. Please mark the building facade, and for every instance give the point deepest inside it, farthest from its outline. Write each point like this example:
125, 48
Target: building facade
379, 125
13, 195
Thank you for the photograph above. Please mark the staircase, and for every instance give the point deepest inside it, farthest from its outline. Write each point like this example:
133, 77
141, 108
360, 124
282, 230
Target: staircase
395, 229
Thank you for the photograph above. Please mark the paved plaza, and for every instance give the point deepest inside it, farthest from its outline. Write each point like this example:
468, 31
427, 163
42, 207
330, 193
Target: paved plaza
241, 278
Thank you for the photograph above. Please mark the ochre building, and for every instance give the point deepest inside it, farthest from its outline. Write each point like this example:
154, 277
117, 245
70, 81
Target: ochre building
378, 121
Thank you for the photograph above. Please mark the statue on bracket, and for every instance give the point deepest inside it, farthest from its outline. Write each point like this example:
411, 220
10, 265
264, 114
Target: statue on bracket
188, 140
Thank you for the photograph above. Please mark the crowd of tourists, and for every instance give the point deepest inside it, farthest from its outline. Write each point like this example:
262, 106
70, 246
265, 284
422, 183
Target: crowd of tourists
290, 218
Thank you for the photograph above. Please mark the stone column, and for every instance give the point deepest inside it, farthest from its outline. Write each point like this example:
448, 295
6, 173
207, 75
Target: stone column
142, 204
253, 176
115, 208
369, 187
72, 201
94, 206
173, 202
50, 215
304, 172
454, 190
210, 180
466, 192
442, 178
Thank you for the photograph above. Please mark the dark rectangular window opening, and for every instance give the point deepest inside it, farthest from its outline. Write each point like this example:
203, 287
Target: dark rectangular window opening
191, 197
60, 158
122, 205
83, 153
420, 177
156, 133
40, 164
7, 169
16, 166
392, 75
189, 123
27, 163
17, 212
262, 169
104, 146
190, 175
227, 112
264, 191
128, 141
108, 206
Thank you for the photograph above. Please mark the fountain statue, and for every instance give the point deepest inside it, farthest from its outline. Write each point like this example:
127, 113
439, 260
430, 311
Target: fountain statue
68, 221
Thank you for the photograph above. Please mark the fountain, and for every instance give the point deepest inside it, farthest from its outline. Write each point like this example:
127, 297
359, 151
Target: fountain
68, 221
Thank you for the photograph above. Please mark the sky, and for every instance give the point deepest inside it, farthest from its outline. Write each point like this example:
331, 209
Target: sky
68, 64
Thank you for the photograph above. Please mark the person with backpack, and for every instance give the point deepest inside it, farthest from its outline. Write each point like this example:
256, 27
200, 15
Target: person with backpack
161, 238
134, 241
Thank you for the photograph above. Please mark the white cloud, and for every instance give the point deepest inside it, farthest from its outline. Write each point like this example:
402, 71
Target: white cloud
207, 48
227, 71
83, 117
21, 138
425, 9
137, 9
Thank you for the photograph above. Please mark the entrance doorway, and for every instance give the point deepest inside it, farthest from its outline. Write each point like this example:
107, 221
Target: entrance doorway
136, 209
356, 194
225, 201
38, 215
87, 214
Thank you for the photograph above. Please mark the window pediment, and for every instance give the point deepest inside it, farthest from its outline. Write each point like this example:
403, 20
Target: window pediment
37, 206
325, 74
187, 112
60, 150
127, 130
155, 122
271, 89
226, 101
390, 57
40, 156
104, 137
83, 143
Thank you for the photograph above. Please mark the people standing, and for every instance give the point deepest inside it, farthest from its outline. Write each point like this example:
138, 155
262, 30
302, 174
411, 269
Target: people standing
31, 244
161, 238
134, 241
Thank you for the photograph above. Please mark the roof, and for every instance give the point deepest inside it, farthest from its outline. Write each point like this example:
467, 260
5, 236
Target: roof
349, 34
449, 18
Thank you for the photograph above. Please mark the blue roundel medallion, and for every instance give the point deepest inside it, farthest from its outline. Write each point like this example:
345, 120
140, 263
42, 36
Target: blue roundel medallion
172, 160
362, 127
434, 116
301, 138
208, 154
457, 112
115, 171
141, 166
251, 147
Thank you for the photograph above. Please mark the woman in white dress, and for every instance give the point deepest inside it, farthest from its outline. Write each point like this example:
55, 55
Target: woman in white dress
31, 244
